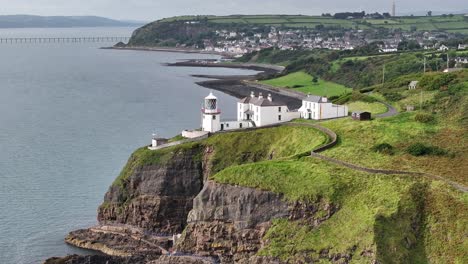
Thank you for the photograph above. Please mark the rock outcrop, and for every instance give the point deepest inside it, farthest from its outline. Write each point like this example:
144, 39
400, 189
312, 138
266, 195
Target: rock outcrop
156, 197
229, 222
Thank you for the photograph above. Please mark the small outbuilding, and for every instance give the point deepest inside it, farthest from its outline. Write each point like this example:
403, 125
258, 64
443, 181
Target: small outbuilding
157, 142
361, 116
413, 85
409, 108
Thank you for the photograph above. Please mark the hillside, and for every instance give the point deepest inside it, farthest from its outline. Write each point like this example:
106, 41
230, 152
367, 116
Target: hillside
454, 23
193, 31
259, 196
29, 21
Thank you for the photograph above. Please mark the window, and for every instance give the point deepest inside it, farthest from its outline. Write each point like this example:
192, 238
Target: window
279, 118
279, 109
240, 125
214, 117
227, 125
257, 109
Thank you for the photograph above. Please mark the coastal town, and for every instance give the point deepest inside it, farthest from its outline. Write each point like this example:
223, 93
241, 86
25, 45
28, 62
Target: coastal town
238, 43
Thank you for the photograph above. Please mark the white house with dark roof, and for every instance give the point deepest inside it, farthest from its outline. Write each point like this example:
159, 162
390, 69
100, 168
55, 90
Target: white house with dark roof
252, 111
318, 108
264, 111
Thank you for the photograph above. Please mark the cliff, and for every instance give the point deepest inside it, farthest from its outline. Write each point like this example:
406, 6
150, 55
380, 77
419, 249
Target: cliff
156, 196
252, 197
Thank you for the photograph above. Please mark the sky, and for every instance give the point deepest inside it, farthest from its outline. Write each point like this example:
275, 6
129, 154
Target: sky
149, 10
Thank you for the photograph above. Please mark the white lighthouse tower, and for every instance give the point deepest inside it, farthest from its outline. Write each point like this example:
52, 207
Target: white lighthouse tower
211, 115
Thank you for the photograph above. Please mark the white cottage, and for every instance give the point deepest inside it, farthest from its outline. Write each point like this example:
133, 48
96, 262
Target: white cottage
413, 85
318, 108
264, 111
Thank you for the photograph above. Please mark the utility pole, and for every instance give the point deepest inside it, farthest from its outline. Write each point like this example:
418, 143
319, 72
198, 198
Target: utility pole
383, 75
424, 64
447, 61
421, 101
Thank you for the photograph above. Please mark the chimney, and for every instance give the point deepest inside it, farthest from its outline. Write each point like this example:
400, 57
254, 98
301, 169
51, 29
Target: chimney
252, 94
270, 98
260, 96
324, 99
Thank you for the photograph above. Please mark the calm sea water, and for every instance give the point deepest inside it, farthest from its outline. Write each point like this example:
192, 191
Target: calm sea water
70, 116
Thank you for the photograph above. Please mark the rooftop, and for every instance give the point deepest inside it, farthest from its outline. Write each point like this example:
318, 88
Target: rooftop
261, 101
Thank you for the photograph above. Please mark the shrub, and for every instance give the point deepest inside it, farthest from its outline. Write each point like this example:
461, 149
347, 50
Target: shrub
420, 149
383, 148
393, 96
424, 118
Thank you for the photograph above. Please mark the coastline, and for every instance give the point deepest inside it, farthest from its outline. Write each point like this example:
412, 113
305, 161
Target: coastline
106, 240
163, 49
240, 86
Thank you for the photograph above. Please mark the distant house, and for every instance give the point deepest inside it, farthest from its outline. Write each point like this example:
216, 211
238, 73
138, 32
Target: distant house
361, 116
462, 46
318, 108
449, 70
461, 60
413, 85
409, 108
443, 48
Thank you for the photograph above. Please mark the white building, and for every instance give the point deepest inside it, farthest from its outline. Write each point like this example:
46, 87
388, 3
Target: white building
264, 111
211, 115
443, 48
318, 108
413, 85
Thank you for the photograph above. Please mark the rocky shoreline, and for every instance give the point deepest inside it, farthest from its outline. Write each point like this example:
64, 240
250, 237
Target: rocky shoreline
240, 86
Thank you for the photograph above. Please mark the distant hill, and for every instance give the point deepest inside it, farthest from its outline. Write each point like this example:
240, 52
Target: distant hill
29, 21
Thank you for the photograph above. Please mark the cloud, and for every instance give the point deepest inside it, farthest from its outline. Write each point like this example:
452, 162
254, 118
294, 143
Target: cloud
156, 9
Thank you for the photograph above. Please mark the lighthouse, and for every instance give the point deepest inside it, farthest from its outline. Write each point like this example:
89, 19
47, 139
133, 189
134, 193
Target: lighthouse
211, 115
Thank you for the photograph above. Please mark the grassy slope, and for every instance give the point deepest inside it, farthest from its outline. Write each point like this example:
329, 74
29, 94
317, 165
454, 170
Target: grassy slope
403, 219
323, 88
357, 139
388, 215
421, 23
251, 146
374, 108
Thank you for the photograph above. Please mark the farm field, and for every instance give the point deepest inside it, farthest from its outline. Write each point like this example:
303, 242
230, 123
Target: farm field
302, 82
455, 23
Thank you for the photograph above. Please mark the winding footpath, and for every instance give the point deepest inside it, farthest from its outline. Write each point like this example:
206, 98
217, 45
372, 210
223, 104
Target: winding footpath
333, 142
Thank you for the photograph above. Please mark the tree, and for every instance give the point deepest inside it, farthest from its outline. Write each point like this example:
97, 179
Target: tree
315, 80
429, 13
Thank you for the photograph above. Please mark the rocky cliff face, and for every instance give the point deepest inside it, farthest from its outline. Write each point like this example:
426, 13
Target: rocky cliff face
156, 197
230, 222
169, 193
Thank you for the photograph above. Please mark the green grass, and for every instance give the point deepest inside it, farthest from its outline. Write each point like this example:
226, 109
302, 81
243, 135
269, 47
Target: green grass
375, 213
374, 108
322, 88
452, 24
356, 139
262, 144
251, 146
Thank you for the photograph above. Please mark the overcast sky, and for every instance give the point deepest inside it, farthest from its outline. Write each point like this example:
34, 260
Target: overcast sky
155, 9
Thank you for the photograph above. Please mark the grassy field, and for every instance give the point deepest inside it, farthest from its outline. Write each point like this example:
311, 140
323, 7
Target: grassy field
303, 82
263, 144
377, 213
358, 138
251, 146
454, 24
373, 108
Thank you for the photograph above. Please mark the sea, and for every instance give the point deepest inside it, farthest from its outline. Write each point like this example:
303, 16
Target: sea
70, 116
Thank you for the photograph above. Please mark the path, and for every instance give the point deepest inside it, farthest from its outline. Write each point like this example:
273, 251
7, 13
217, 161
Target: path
334, 140
390, 112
